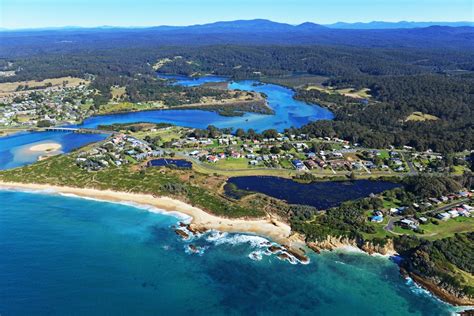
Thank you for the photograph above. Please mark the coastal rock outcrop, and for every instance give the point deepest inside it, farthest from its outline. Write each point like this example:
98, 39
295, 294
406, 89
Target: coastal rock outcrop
442, 290
334, 242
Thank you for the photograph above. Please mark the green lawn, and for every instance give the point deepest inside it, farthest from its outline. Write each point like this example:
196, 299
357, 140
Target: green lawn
459, 170
393, 203
126, 107
285, 163
444, 229
233, 163
166, 134
379, 231
448, 228
384, 154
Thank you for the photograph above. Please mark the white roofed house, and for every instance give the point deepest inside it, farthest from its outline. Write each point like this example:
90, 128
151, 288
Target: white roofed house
443, 216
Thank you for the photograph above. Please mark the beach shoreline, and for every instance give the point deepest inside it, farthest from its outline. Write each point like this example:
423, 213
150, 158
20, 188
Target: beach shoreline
200, 220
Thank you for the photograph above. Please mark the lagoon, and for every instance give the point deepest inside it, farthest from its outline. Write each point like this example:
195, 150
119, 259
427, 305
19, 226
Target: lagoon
180, 163
321, 195
14, 149
288, 112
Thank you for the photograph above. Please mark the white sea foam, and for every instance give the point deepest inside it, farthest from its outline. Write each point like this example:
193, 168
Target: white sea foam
417, 289
421, 291
215, 235
219, 238
199, 250
349, 249
180, 216
256, 255
32, 191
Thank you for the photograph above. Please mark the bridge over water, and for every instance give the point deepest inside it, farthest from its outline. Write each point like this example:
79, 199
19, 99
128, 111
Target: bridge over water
77, 130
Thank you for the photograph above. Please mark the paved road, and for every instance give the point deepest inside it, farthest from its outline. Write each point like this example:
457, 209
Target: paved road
446, 207
391, 224
412, 171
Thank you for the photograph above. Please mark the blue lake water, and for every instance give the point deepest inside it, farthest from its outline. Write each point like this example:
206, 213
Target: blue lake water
321, 195
64, 255
288, 111
180, 163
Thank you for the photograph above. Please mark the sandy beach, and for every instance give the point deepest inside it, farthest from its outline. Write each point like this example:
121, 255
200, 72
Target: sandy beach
277, 231
46, 147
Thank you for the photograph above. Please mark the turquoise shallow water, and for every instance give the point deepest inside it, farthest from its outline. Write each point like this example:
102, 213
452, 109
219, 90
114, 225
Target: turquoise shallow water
14, 148
65, 255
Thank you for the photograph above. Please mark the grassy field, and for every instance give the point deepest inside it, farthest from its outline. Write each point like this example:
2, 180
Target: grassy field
357, 94
387, 204
233, 163
459, 170
9, 131
166, 134
384, 154
296, 81
128, 107
191, 187
210, 169
380, 233
444, 229
362, 93
9, 87
421, 117
118, 92
160, 63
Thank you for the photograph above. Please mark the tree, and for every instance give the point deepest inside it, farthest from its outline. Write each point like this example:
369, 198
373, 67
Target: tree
275, 150
286, 146
213, 131
251, 134
270, 133
240, 133
44, 123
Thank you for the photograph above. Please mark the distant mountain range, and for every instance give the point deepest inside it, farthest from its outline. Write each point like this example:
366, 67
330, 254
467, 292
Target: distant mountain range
374, 25
264, 25
241, 32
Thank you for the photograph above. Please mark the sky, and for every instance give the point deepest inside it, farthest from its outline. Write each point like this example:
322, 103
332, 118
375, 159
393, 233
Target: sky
89, 13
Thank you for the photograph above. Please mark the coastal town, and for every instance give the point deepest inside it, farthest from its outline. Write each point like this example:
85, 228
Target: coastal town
211, 151
272, 151
45, 103
236, 167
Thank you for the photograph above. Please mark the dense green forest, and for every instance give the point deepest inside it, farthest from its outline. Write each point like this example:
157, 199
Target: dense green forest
438, 82
383, 120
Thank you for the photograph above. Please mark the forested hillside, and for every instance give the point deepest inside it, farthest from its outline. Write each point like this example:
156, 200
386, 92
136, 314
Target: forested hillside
253, 32
399, 79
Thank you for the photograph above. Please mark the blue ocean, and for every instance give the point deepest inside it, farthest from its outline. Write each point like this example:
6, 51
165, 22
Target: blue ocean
63, 255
